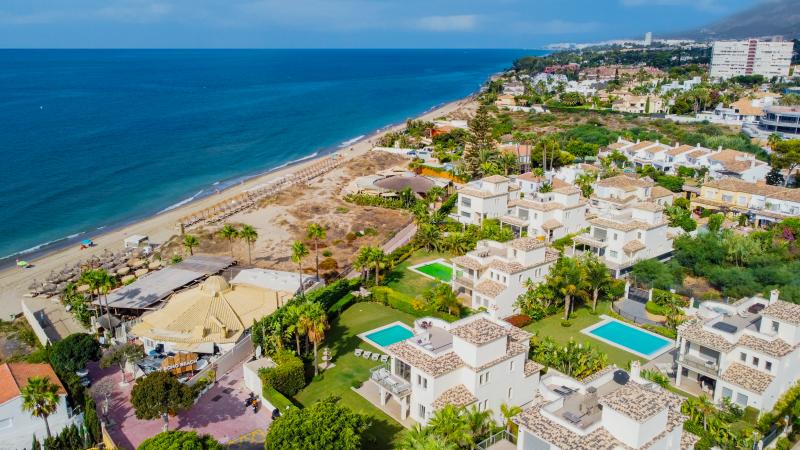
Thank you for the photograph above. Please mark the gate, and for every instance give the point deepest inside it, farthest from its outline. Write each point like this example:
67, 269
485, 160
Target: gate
638, 295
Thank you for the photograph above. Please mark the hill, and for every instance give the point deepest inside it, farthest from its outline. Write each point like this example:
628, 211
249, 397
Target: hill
767, 18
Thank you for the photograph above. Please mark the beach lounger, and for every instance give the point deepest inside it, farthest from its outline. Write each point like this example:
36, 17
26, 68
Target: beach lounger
358, 352
366, 355
375, 356
384, 358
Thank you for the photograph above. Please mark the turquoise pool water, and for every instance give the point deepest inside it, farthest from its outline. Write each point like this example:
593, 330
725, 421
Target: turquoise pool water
632, 338
390, 335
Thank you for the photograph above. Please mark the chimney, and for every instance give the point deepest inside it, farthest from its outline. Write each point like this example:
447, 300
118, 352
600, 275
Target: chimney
773, 296
636, 370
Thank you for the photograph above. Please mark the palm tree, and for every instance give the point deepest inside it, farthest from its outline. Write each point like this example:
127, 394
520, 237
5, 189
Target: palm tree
99, 282
315, 322
508, 162
249, 235
316, 232
40, 398
480, 422
299, 251
230, 233
377, 257
105, 283
291, 324
706, 408
597, 276
584, 181
451, 426
434, 194
568, 281
508, 412
362, 262
189, 243
428, 236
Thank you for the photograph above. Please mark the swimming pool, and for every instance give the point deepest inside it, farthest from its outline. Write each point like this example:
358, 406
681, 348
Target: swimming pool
388, 335
627, 337
438, 269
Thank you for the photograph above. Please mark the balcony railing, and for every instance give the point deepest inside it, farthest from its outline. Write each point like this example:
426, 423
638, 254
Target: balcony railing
495, 438
392, 383
705, 366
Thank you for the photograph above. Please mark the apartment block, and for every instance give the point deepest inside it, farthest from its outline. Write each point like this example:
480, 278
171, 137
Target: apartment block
751, 57
762, 203
547, 216
486, 198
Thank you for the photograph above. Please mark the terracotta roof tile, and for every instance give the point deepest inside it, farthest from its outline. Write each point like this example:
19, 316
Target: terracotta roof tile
457, 395
480, 331
14, 377
747, 377
784, 311
490, 288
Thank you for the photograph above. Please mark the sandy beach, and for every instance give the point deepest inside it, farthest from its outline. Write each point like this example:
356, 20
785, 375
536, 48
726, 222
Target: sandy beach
269, 220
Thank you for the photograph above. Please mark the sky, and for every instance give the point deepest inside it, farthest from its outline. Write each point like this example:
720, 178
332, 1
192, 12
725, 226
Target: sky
344, 23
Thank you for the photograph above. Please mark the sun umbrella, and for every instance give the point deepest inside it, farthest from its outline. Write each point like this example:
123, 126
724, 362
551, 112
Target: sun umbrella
86, 242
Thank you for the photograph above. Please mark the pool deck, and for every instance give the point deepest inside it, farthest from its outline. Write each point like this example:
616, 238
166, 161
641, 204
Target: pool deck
607, 319
442, 261
369, 341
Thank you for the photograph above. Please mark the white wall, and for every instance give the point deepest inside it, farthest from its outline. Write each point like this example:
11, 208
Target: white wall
18, 427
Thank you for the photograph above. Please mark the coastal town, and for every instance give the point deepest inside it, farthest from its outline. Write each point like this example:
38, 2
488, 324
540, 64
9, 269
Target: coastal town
597, 250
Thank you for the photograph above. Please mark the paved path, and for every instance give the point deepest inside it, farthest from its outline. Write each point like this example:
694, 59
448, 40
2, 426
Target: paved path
635, 311
400, 239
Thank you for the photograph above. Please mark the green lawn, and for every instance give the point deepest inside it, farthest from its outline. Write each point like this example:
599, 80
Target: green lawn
407, 282
581, 318
342, 339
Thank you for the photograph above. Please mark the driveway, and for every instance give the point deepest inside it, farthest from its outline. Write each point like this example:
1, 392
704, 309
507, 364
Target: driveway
219, 412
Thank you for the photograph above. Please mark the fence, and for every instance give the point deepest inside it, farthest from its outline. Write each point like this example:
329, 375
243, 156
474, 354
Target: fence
497, 437
632, 318
230, 360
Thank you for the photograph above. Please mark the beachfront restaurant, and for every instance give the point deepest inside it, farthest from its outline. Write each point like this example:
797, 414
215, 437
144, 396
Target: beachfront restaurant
212, 317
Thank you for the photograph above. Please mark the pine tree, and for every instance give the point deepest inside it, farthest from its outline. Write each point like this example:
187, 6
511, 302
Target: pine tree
480, 139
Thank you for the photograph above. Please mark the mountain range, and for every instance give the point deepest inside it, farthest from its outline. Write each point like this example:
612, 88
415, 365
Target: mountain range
767, 18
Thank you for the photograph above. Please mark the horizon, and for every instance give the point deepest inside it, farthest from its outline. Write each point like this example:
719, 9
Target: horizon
344, 24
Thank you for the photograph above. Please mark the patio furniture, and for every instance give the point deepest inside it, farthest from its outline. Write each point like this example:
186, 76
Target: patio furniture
375, 356
366, 355
358, 352
384, 358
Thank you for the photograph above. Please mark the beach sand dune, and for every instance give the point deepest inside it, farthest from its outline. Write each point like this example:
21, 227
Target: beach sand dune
276, 224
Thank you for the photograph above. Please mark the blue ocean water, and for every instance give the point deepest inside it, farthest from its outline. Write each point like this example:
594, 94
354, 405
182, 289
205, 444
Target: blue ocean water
94, 138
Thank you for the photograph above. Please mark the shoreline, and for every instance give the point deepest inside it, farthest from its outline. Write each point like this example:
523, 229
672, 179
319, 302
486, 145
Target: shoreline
160, 226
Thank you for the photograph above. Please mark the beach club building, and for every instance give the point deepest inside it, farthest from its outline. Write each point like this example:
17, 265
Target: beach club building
747, 352
611, 409
477, 361
17, 427
493, 275
486, 198
213, 317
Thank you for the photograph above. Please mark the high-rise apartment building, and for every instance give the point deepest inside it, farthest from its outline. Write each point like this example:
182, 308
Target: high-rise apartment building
751, 57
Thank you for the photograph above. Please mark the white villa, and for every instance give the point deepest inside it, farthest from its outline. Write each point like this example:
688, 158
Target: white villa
622, 238
622, 191
477, 361
611, 409
549, 216
747, 352
493, 275
720, 163
486, 198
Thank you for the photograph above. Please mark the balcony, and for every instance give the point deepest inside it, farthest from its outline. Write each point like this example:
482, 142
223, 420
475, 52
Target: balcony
701, 365
499, 441
464, 281
384, 378
591, 241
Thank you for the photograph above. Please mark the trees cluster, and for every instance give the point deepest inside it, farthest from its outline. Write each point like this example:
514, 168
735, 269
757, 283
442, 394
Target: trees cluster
246, 233
325, 424
570, 279
786, 156
288, 375
451, 428
743, 265
725, 428
573, 359
158, 395
679, 215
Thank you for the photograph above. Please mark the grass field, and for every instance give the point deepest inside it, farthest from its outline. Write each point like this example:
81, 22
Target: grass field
581, 318
342, 339
410, 283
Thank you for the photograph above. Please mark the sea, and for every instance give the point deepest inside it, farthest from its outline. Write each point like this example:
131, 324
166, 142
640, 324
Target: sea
95, 139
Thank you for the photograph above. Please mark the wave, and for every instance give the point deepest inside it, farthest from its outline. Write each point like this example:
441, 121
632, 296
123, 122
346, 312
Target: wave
181, 203
36, 248
350, 142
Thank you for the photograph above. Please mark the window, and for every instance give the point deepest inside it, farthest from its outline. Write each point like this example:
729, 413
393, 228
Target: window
509, 393
422, 381
639, 235
484, 378
743, 357
465, 214
422, 410
768, 366
466, 202
727, 393
615, 236
6, 423
755, 361
741, 399
775, 326
511, 366
613, 253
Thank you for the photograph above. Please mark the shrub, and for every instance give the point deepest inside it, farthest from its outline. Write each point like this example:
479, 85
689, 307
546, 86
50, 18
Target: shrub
180, 440
333, 292
287, 377
276, 399
519, 320
327, 253
73, 352
325, 424
566, 323
328, 264
655, 309
656, 377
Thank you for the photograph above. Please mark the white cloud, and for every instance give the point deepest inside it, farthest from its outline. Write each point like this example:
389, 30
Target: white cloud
466, 22
555, 26
701, 5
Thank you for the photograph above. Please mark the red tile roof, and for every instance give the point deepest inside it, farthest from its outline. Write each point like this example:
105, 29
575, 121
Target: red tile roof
14, 377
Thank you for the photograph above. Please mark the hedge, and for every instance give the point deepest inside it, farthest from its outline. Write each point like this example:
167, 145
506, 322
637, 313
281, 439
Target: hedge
278, 400
332, 293
401, 302
288, 375
343, 303
654, 308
